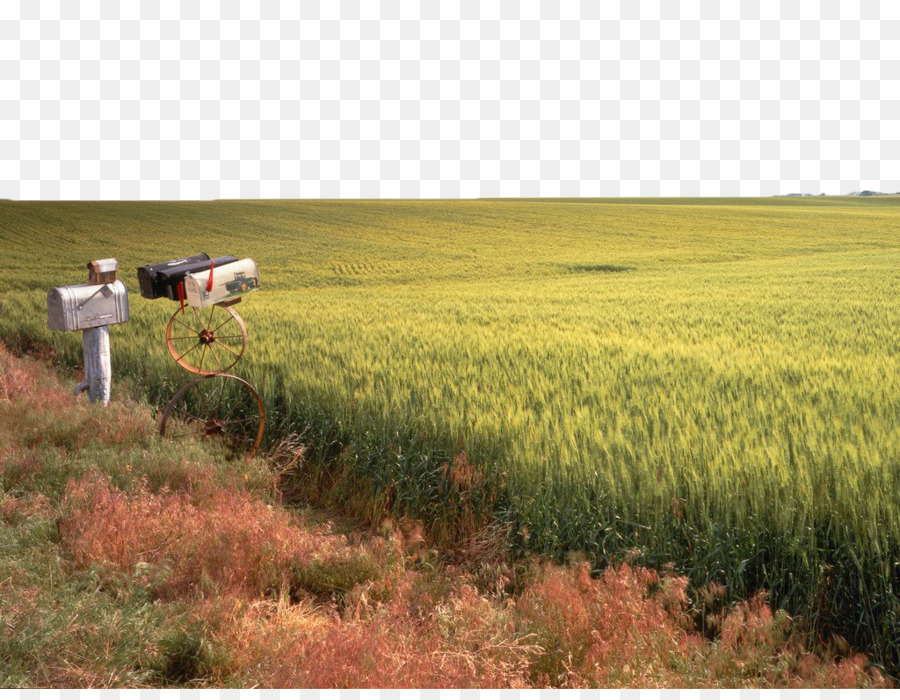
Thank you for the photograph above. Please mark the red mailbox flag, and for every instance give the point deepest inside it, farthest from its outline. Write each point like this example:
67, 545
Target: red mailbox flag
180, 289
209, 282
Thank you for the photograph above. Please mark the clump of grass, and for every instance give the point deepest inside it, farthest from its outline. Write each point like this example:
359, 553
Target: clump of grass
183, 657
334, 579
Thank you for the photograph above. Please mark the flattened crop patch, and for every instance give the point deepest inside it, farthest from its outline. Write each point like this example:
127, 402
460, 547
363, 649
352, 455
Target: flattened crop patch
600, 267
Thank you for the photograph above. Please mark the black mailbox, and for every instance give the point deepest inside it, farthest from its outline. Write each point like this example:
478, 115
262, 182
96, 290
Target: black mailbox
161, 280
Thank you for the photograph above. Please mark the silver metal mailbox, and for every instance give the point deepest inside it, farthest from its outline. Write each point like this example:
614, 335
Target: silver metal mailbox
81, 306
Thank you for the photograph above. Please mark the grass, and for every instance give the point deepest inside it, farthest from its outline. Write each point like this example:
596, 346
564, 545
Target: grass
711, 383
178, 570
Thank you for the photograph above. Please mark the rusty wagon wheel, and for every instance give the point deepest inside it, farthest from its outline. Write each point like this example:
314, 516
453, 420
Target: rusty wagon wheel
206, 341
217, 406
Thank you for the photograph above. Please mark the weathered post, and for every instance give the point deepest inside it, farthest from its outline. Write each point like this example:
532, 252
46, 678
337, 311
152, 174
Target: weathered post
91, 308
97, 365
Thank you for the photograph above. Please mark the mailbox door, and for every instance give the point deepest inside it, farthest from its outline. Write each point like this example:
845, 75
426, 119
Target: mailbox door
59, 305
150, 276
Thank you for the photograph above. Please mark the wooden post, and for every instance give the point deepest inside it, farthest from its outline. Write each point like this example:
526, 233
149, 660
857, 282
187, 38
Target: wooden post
97, 365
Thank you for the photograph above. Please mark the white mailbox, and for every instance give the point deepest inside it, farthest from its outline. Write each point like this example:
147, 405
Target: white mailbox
81, 306
221, 283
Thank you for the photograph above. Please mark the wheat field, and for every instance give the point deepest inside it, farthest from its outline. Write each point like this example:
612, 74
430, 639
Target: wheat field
712, 383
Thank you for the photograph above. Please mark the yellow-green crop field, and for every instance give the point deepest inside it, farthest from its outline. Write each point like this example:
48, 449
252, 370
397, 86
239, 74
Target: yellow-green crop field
712, 383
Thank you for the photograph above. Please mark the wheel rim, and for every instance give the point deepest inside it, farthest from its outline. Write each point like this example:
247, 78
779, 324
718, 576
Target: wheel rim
206, 342
217, 406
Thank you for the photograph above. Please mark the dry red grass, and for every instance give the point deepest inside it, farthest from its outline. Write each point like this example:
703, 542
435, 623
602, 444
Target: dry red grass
14, 510
224, 541
625, 628
462, 641
15, 379
227, 540
37, 410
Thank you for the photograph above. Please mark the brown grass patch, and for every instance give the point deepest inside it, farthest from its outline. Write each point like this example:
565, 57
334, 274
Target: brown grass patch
462, 642
224, 541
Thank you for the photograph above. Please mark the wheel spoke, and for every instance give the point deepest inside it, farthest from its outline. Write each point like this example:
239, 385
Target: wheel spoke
206, 400
199, 320
229, 336
221, 400
216, 358
185, 325
186, 431
183, 426
197, 402
190, 417
184, 337
202, 355
193, 347
229, 318
183, 429
222, 345
240, 420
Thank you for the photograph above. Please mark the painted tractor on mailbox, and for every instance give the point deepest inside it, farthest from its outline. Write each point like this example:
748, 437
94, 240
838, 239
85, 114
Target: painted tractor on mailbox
241, 283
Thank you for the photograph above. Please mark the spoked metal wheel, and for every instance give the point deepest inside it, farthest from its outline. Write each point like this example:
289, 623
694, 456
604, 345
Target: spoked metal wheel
217, 406
206, 341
